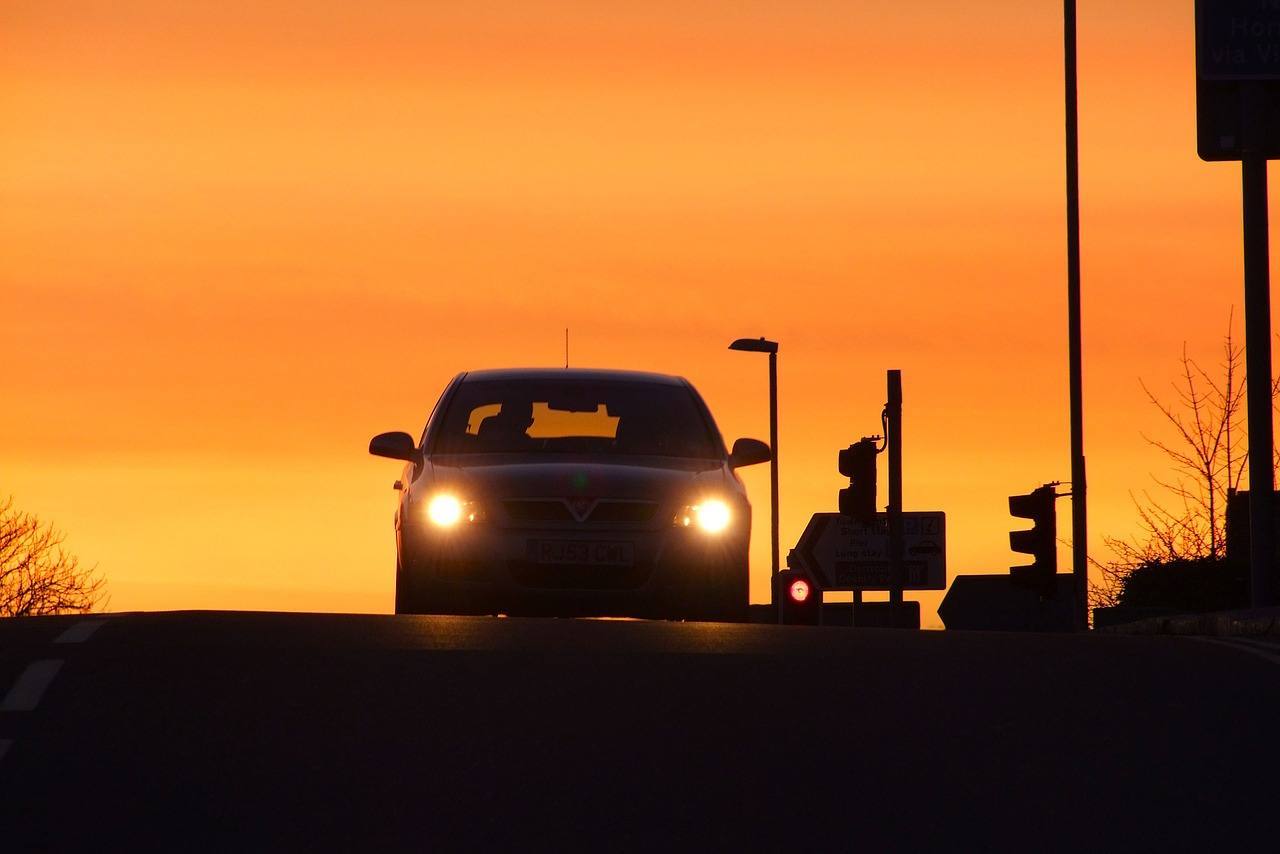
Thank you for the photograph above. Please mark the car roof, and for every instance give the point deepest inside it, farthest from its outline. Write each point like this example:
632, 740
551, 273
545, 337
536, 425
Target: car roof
570, 374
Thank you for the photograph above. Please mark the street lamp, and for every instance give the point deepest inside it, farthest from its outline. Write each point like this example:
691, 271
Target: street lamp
764, 345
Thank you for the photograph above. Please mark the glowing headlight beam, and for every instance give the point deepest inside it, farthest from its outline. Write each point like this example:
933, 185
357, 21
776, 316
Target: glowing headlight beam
444, 511
713, 516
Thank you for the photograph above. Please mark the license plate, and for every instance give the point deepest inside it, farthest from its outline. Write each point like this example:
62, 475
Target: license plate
583, 552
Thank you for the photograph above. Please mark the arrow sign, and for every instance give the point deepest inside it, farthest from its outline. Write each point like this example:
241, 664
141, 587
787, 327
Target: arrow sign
844, 554
996, 603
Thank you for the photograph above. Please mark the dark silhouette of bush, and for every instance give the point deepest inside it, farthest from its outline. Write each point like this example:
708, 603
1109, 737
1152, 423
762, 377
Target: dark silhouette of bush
1186, 584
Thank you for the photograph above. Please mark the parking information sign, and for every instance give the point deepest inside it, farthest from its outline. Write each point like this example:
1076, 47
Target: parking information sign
845, 554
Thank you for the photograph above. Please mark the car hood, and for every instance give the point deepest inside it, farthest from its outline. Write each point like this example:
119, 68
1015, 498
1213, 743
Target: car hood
500, 477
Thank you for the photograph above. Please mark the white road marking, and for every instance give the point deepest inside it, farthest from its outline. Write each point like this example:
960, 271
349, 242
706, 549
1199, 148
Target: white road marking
25, 694
1242, 647
79, 632
1261, 644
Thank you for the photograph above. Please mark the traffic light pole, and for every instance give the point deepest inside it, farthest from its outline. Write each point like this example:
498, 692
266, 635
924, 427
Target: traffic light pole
1079, 503
773, 463
893, 441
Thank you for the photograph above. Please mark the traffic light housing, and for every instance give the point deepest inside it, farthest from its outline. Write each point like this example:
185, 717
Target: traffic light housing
1041, 541
799, 598
858, 463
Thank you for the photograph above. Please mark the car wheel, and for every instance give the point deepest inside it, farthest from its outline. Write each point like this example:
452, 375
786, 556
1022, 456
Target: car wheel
725, 601
405, 600
422, 598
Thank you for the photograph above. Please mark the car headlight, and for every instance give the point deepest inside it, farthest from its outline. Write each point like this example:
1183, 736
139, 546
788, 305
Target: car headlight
711, 516
446, 510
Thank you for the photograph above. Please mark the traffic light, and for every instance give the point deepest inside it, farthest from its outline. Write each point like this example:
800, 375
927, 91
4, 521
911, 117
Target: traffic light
858, 463
799, 598
1041, 542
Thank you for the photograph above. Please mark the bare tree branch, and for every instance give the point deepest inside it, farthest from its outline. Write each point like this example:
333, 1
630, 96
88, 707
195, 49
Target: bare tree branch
1208, 457
37, 576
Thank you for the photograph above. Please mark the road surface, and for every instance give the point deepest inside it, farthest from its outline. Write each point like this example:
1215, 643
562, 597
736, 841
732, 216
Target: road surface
257, 731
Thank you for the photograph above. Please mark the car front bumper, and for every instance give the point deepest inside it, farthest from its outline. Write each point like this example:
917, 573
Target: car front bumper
486, 569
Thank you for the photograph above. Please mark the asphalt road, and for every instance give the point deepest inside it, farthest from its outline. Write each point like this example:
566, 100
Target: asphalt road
254, 731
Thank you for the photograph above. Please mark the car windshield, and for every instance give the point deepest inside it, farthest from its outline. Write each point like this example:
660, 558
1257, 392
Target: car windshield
575, 417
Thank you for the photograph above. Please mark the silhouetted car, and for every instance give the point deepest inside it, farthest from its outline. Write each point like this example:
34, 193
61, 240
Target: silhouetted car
571, 492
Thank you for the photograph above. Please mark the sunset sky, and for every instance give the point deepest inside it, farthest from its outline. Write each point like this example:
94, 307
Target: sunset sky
238, 239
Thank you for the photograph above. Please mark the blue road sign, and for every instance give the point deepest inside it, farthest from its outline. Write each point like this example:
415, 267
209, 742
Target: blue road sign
1238, 39
1238, 79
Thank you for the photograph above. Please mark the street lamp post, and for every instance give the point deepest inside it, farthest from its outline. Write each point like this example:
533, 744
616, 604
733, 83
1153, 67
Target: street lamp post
764, 345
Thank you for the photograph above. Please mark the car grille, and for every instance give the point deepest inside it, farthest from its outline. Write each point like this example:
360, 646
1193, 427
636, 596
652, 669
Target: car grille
538, 511
575, 577
623, 511
605, 511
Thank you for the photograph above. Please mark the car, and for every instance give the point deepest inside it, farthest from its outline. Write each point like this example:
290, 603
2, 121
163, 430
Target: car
571, 492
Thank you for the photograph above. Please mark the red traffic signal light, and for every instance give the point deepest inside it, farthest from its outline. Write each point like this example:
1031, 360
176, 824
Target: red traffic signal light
858, 463
799, 598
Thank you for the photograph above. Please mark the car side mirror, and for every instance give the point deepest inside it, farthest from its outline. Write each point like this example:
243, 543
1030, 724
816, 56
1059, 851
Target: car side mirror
397, 446
748, 452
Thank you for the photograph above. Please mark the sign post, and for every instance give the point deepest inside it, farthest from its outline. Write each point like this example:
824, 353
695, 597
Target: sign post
893, 441
1257, 332
1238, 118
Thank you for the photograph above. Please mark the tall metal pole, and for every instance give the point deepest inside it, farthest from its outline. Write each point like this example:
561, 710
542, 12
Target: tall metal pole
1079, 501
893, 439
773, 465
1257, 320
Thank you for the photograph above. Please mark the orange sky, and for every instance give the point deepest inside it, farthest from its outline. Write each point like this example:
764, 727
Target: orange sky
237, 239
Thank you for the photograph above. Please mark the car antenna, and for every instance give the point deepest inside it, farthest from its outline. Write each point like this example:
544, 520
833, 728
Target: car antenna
566, 348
